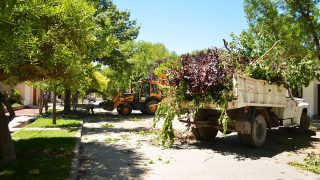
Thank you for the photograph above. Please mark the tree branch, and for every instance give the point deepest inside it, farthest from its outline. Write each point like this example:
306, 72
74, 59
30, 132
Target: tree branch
225, 43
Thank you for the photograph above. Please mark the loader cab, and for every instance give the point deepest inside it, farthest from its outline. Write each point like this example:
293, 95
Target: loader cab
144, 92
148, 89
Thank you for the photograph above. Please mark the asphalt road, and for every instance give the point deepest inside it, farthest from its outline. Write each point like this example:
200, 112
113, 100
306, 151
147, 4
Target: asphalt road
115, 147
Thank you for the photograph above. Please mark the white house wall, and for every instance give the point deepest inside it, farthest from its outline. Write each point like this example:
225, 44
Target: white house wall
21, 89
310, 94
27, 94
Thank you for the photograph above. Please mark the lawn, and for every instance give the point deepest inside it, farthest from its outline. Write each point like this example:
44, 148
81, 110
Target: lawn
42, 154
61, 122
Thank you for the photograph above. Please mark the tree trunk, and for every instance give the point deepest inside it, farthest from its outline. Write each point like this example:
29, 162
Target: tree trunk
67, 97
54, 108
6, 143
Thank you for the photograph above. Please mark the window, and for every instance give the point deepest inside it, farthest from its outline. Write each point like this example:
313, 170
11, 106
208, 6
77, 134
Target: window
155, 88
145, 89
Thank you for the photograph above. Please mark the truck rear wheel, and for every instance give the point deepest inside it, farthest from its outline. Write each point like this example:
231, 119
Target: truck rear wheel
258, 133
204, 133
304, 122
124, 110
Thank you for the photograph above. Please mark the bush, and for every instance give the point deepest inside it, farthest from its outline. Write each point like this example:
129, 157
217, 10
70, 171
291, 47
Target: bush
15, 97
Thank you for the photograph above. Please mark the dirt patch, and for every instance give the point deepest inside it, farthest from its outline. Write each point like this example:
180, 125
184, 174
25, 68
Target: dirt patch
115, 147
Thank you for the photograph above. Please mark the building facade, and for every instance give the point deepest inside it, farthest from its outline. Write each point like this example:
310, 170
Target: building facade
30, 95
312, 95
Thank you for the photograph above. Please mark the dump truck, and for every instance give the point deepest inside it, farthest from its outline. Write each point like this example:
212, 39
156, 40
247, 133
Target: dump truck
256, 106
144, 97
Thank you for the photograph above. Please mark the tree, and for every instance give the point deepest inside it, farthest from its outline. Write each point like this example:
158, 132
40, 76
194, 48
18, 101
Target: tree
41, 40
6, 7
282, 40
56, 40
113, 28
75, 77
146, 54
141, 57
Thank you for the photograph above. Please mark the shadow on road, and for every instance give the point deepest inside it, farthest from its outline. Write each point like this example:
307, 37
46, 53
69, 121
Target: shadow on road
278, 141
110, 161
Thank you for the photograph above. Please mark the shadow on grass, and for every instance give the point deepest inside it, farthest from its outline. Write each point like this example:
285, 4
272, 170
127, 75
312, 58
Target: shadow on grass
278, 141
110, 161
115, 117
98, 130
67, 126
40, 158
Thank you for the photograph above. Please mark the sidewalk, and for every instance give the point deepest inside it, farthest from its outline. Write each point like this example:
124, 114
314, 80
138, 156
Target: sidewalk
23, 116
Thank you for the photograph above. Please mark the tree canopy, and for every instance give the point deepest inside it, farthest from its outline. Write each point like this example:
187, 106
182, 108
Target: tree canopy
57, 41
282, 40
141, 56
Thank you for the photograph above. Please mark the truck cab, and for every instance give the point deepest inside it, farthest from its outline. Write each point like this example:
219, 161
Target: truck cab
295, 113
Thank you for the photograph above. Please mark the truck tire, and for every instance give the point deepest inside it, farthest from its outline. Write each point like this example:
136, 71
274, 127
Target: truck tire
258, 133
243, 138
144, 112
304, 122
204, 133
207, 133
151, 110
124, 110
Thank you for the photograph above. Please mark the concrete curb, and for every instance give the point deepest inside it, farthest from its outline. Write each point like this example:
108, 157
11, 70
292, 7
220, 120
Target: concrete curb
15, 124
74, 169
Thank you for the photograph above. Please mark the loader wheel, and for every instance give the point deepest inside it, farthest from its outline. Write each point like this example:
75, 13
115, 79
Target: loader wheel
151, 107
304, 122
204, 133
258, 133
125, 110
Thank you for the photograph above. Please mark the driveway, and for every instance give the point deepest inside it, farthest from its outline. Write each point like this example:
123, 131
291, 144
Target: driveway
115, 147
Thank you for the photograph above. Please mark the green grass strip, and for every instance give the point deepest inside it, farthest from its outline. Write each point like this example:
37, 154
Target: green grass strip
40, 155
61, 123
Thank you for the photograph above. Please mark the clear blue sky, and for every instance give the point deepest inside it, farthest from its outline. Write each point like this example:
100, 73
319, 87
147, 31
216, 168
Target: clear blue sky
186, 25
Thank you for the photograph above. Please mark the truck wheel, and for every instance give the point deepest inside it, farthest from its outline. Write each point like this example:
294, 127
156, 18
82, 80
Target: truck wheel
144, 111
151, 108
207, 133
245, 139
204, 133
304, 122
125, 110
258, 132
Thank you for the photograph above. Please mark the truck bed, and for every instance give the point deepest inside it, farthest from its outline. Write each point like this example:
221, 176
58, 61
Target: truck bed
254, 92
